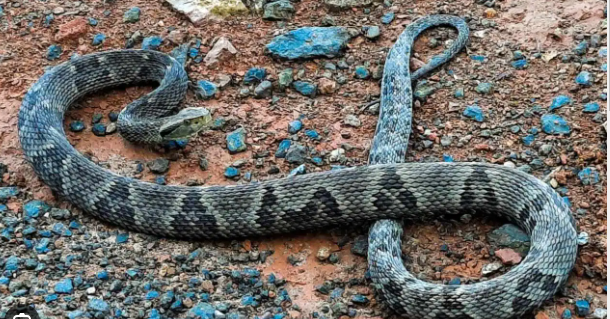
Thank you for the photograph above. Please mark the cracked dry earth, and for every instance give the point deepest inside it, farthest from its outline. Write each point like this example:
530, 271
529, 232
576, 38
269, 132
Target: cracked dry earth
324, 271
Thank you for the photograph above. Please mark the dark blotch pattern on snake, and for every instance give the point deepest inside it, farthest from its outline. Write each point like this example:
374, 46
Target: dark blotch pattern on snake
385, 190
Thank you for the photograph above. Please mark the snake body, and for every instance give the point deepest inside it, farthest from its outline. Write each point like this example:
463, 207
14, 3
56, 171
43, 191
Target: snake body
387, 189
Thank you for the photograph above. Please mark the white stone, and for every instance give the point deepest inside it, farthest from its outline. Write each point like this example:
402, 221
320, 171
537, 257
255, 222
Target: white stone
221, 45
490, 268
198, 11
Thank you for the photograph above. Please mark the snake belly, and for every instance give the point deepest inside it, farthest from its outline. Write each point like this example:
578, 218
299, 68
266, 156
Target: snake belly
550, 225
354, 195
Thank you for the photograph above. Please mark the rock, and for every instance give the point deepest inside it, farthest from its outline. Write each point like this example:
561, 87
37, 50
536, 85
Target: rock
98, 39
591, 107
327, 86
489, 269
360, 246
583, 238
478, 58
60, 214
295, 126
305, 88
92, 22
231, 172
279, 10
554, 124
133, 39
582, 307
309, 42
509, 236
560, 101
98, 305
152, 43
341, 5
352, 120
132, 15
58, 10
72, 29
519, 64
581, 48
205, 90
296, 154
323, 253
459, 93
588, 176
361, 72
387, 18
255, 75
484, 88
64, 287
360, 299
285, 78
508, 256
474, 112
567, 314
54, 52
490, 13
77, 126
282, 149
221, 45
111, 128
35, 208
455, 281
372, 32
423, 91
122, 238
600, 313
159, 166
200, 11
236, 141
528, 139
263, 90
584, 78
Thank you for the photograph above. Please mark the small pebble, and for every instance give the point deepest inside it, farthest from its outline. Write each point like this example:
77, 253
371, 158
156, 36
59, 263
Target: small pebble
53, 52
474, 112
591, 107
98, 39
361, 72
231, 172
584, 78
77, 126
132, 15
484, 88
98, 129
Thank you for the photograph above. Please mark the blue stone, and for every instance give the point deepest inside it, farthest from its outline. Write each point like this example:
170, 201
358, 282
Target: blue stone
154, 314
360, 299
77, 126
478, 58
554, 124
64, 287
584, 78
50, 298
176, 305
295, 126
444, 248
193, 52
132, 15
581, 48
312, 134
604, 67
74, 225
519, 64
518, 55
98, 39
317, 161
62, 230
591, 107
160, 180
250, 272
42, 246
53, 52
47, 19
98, 305
102, 275
582, 307
300, 170
283, 148
12, 263
205, 89
534, 130
305, 88
560, 101
603, 52
231, 172
29, 244
194, 282
98, 129
4, 281
474, 112
529, 139
35, 208
255, 75
236, 141
567, 314
603, 96
247, 300
122, 238
588, 176
387, 18
202, 310
152, 43
8, 192
447, 158
310, 42
484, 88
361, 72
459, 93
152, 295
455, 281
92, 22
20, 293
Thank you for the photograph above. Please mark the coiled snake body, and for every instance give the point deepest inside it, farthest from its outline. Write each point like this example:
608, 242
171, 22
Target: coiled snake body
386, 189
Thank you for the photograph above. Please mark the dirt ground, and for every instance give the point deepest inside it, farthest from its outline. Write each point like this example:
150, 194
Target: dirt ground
528, 26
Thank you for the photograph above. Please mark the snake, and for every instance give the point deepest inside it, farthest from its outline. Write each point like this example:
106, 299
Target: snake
386, 191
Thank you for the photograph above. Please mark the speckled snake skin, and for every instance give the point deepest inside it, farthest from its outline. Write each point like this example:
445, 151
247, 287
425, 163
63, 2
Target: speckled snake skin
384, 190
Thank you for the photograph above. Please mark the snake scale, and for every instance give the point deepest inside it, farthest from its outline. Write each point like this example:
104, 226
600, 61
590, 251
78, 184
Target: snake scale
386, 189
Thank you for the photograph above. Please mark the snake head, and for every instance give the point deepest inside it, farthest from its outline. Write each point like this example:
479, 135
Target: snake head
188, 122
